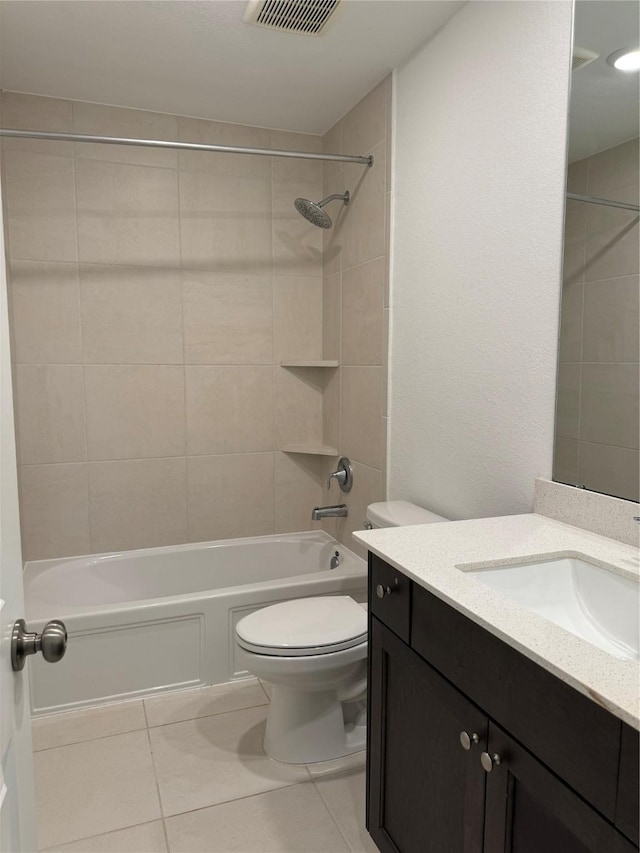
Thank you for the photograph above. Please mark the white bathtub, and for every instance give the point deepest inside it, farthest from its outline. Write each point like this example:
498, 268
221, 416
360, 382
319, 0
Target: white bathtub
143, 622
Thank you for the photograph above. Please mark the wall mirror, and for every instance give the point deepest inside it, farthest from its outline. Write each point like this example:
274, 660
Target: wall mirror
597, 420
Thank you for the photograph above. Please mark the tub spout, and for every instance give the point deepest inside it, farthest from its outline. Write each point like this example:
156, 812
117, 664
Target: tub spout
336, 511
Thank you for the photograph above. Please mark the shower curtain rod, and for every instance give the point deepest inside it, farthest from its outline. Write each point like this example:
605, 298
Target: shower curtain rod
189, 146
590, 199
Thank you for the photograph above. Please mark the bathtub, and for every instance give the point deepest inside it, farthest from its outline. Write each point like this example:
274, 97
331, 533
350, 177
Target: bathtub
147, 621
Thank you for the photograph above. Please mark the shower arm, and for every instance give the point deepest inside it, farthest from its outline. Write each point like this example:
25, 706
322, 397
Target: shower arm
188, 146
342, 196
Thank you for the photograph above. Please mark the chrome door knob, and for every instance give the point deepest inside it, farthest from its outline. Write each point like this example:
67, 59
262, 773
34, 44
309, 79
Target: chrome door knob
468, 740
381, 590
52, 643
490, 761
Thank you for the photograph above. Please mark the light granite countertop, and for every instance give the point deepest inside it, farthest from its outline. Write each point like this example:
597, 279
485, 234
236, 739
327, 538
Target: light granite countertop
431, 553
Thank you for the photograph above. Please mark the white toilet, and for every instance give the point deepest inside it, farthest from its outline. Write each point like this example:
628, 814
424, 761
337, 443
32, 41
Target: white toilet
314, 653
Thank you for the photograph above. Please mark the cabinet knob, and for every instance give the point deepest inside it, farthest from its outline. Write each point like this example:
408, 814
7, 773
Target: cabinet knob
381, 590
490, 761
468, 740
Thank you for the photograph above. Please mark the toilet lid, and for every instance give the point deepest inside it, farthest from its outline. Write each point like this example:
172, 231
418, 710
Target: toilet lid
305, 626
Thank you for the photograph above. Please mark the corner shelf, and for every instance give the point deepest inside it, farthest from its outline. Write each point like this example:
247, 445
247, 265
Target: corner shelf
311, 449
310, 363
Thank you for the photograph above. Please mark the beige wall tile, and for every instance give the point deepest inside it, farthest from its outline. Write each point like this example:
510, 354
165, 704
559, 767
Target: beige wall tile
137, 503
299, 486
127, 214
54, 511
331, 409
298, 415
612, 470
220, 133
45, 307
135, 411
297, 244
614, 173
100, 120
50, 413
41, 215
577, 176
571, 311
331, 315
611, 310
33, 112
286, 169
131, 315
367, 489
230, 496
609, 404
225, 223
229, 409
361, 413
568, 400
366, 124
363, 227
573, 263
565, 461
362, 306
612, 247
297, 304
227, 318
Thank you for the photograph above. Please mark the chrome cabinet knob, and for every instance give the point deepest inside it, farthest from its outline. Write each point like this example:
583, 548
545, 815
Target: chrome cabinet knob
468, 740
381, 590
490, 761
52, 643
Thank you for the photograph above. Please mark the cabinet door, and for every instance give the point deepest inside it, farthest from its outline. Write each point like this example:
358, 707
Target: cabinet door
529, 810
425, 790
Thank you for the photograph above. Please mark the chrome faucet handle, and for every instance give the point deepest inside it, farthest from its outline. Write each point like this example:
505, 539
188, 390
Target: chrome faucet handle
343, 474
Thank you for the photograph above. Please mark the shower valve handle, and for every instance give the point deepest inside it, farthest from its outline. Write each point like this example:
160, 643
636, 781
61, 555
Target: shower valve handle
343, 474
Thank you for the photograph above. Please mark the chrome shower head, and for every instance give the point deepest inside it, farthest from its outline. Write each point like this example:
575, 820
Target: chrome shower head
312, 210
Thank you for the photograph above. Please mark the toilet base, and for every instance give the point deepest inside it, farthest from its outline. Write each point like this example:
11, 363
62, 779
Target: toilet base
307, 727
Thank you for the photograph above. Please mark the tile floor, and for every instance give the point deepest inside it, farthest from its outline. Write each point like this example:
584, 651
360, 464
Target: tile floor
184, 773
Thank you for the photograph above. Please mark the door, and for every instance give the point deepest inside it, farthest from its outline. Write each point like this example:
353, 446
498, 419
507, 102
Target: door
17, 809
425, 788
530, 810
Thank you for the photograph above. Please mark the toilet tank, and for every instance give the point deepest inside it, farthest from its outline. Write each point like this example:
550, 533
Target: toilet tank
399, 514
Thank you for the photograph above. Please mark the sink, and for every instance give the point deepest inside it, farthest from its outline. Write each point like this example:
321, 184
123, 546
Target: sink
594, 603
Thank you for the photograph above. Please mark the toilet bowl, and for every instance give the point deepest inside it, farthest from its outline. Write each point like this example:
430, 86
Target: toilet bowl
313, 651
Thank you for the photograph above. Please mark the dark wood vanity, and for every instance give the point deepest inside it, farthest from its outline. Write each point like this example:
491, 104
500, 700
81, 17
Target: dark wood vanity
474, 748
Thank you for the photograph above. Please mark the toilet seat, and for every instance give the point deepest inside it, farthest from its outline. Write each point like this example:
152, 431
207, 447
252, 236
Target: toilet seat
304, 627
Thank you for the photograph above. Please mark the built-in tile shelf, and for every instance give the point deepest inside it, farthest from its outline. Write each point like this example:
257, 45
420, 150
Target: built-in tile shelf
311, 449
310, 363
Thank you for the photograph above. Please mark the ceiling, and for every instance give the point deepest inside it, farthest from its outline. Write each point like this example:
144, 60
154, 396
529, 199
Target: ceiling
198, 58
604, 102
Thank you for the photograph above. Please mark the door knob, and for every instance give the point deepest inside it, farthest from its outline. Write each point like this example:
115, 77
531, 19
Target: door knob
490, 761
468, 740
52, 643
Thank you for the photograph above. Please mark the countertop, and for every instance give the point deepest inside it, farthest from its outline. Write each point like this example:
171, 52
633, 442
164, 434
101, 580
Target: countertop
430, 553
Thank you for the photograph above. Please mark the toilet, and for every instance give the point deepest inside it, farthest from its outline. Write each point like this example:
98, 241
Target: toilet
313, 651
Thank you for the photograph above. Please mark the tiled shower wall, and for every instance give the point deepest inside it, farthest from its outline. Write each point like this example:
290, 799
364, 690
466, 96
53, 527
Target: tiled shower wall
597, 414
356, 302
154, 294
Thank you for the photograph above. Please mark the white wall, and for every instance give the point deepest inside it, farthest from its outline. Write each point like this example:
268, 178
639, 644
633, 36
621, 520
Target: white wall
480, 139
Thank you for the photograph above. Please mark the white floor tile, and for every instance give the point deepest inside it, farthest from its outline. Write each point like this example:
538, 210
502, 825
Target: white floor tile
345, 798
215, 759
87, 724
147, 838
338, 766
94, 787
291, 820
204, 702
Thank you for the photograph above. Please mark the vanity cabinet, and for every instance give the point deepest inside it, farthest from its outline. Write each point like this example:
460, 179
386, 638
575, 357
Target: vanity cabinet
473, 748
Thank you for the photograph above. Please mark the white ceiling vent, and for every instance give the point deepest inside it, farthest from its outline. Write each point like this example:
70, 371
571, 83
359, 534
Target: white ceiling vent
582, 56
306, 17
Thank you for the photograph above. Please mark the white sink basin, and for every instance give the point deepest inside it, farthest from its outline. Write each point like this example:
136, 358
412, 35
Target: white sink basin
594, 603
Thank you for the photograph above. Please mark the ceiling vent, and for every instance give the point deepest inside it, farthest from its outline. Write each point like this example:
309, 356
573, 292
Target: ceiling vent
306, 17
582, 56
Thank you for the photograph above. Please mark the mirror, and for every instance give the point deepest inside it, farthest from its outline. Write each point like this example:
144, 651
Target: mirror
597, 420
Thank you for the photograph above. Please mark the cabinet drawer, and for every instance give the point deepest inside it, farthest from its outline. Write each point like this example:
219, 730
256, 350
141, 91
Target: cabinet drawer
389, 596
568, 732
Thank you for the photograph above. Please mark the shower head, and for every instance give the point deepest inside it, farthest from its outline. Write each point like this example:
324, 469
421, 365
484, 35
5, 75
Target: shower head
312, 210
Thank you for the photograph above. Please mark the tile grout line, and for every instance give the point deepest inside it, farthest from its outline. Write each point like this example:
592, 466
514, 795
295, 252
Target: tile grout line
156, 780
331, 814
